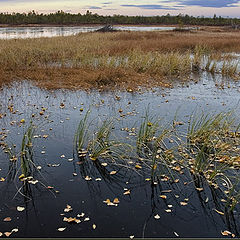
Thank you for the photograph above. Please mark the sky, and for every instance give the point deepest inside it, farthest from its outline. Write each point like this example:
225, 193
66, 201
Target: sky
224, 8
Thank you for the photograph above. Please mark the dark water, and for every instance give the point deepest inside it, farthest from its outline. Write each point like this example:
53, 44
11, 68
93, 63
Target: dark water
35, 32
135, 214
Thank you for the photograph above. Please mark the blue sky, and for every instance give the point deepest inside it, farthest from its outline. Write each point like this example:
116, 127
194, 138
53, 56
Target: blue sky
223, 8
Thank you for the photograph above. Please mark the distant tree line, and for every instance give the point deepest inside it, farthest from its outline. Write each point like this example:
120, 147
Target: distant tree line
62, 18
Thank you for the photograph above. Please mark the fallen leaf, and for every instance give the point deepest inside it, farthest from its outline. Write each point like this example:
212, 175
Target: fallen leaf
176, 234
183, 203
219, 212
20, 209
168, 210
7, 234
2, 179
163, 196
68, 208
127, 192
104, 164
94, 226
116, 200
226, 233
113, 172
15, 230
61, 229
87, 178
7, 219
138, 166
199, 189
33, 181
86, 219
157, 216
131, 237
1, 234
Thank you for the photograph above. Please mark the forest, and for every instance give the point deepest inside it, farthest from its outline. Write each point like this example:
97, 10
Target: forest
62, 18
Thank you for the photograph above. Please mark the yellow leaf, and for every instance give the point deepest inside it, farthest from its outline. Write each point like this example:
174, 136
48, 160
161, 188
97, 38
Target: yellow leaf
107, 201
20, 209
21, 176
2, 179
138, 166
22, 120
226, 233
183, 203
219, 212
94, 226
113, 172
116, 200
163, 196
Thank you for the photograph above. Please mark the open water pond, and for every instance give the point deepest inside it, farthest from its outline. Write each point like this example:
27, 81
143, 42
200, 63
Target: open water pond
36, 32
112, 184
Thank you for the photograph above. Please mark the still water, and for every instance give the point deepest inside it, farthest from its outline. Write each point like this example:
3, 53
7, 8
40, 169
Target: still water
35, 32
64, 179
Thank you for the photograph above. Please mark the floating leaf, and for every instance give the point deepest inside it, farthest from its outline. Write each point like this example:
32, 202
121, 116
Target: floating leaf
199, 189
33, 181
7, 234
15, 230
113, 172
20, 209
104, 164
183, 203
1, 234
116, 200
219, 212
131, 237
87, 178
94, 226
7, 219
68, 208
86, 219
138, 166
176, 234
127, 192
168, 210
2, 179
163, 196
61, 229
157, 216
226, 233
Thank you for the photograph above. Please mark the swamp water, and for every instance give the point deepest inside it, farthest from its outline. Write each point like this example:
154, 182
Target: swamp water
36, 32
107, 197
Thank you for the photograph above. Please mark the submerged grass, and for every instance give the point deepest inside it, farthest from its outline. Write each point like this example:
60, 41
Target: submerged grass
113, 59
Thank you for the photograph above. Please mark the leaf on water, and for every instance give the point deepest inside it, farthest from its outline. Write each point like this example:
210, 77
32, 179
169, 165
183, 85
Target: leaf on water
87, 178
7, 219
63, 156
22, 120
147, 179
71, 220
2, 179
39, 167
127, 192
45, 136
199, 189
176, 180
163, 196
68, 208
176, 234
113, 172
1, 234
33, 181
86, 219
61, 229
138, 166
20, 209
74, 174
70, 159
226, 233
168, 210
98, 179
166, 191
157, 216
219, 212
183, 203
50, 187
104, 164
107, 201
7, 234
116, 200
43, 152
131, 237
206, 200
15, 230
81, 215
94, 226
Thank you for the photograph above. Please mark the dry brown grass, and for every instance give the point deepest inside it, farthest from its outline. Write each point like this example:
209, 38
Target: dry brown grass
70, 62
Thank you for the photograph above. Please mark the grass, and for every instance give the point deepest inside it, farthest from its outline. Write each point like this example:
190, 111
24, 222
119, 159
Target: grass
113, 59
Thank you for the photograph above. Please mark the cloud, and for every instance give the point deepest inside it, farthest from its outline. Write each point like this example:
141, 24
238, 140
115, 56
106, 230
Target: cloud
150, 6
210, 3
93, 7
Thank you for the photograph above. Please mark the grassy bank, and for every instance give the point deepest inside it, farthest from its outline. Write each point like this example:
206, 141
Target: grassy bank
117, 59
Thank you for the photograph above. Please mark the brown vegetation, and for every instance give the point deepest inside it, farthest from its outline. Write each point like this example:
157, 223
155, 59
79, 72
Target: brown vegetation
109, 59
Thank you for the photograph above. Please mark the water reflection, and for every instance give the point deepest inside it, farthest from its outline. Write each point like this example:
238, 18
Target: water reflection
36, 32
